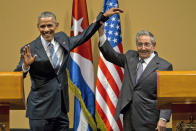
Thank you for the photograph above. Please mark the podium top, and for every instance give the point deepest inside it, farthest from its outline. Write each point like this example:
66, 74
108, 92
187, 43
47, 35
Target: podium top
176, 87
11, 89
176, 72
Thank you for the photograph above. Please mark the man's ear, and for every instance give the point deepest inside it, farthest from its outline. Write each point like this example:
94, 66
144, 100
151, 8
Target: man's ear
155, 44
57, 24
38, 26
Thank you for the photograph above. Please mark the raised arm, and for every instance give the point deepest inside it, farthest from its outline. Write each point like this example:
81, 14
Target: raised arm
91, 29
108, 52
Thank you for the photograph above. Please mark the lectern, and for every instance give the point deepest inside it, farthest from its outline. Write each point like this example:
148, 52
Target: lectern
177, 90
11, 96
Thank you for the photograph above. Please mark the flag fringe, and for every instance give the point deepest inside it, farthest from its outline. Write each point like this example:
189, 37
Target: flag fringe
100, 122
77, 94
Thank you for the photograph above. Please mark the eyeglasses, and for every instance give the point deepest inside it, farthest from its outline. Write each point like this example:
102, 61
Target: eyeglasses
146, 44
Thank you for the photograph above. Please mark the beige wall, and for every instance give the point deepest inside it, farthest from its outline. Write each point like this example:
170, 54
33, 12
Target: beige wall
173, 23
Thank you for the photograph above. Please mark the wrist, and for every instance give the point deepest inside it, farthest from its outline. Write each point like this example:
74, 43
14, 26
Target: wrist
25, 67
102, 17
163, 119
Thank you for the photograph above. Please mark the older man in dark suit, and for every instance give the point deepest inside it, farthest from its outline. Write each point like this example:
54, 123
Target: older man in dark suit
138, 96
46, 60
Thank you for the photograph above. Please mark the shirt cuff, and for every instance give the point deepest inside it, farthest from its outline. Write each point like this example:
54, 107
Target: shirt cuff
163, 119
26, 69
102, 40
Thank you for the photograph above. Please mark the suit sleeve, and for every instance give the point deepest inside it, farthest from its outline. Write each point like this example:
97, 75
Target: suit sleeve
19, 66
88, 32
111, 55
166, 113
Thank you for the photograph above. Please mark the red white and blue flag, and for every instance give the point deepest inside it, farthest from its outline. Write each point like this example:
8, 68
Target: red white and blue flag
81, 72
110, 76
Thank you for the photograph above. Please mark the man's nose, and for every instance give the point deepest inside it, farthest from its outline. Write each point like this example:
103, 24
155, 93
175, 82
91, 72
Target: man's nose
143, 47
46, 29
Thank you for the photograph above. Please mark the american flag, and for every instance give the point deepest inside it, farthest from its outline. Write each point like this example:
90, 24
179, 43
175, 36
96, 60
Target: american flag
109, 76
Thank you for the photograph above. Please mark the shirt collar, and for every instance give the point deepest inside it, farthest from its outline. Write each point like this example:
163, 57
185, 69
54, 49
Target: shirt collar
147, 60
45, 43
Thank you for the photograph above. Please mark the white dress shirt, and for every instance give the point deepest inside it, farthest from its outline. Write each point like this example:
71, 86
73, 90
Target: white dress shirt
147, 60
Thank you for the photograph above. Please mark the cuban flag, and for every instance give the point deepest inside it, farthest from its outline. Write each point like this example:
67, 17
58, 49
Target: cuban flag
81, 72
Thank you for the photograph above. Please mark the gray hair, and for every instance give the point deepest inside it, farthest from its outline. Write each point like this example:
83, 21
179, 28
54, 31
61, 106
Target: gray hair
46, 14
144, 32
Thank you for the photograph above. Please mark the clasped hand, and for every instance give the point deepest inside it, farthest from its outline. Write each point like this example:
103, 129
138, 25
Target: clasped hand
112, 11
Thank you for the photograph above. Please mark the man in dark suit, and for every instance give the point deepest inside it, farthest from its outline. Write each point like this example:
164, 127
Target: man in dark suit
138, 96
46, 59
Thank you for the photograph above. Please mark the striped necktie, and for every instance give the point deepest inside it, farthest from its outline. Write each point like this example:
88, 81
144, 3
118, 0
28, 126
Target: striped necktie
139, 69
53, 56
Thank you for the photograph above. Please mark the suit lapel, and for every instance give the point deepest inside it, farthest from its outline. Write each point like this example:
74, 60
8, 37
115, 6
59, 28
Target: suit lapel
132, 68
40, 51
153, 65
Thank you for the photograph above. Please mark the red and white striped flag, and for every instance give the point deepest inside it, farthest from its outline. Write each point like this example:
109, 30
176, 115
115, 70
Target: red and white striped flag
109, 76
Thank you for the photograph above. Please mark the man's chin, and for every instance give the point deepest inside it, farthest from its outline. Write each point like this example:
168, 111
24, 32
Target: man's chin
143, 56
47, 38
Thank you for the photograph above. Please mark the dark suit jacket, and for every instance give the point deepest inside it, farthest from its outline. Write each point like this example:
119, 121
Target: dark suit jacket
138, 101
49, 90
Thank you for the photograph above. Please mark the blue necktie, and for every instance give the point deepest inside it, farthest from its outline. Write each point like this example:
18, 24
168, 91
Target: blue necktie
139, 69
54, 57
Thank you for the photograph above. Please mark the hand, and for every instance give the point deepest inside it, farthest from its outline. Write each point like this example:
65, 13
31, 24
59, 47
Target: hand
101, 29
27, 57
161, 125
112, 11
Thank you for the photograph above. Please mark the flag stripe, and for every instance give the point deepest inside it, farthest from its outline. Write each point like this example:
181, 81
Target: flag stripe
105, 96
109, 77
105, 83
119, 122
103, 116
112, 70
84, 64
111, 123
120, 72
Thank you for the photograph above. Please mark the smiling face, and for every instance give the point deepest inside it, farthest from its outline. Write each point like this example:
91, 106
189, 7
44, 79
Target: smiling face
47, 28
145, 46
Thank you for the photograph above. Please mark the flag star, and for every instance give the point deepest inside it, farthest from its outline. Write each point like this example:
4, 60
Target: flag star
117, 27
110, 4
76, 28
115, 40
116, 5
109, 32
109, 38
111, 25
116, 33
113, 19
106, 24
